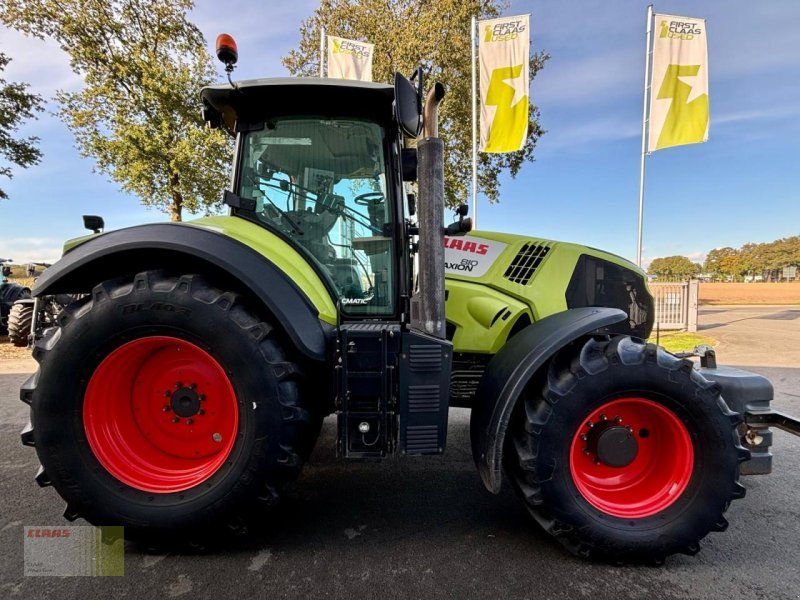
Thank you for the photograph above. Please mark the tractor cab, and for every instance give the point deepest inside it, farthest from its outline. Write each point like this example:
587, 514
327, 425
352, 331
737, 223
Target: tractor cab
323, 176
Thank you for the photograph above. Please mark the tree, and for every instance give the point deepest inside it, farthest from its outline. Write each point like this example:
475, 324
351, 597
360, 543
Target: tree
16, 105
715, 260
674, 268
138, 114
436, 35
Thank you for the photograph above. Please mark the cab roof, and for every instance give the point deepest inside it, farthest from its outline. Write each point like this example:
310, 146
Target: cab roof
255, 100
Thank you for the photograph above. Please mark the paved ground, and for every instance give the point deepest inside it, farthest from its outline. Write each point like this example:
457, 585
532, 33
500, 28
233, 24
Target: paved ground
427, 528
754, 335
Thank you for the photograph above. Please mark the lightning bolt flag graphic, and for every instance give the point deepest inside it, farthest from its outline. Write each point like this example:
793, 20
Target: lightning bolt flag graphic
686, 122
510, 120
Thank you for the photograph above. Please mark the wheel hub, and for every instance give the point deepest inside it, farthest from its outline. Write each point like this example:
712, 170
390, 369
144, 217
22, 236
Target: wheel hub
611, 444
185, 401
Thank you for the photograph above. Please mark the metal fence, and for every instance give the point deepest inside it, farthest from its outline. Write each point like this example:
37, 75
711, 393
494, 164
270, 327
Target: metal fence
676, 305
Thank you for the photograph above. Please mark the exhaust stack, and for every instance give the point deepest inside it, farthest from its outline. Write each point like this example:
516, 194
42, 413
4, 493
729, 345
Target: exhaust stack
427, 304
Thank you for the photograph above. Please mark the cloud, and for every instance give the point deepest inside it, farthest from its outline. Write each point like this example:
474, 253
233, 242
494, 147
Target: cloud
30, 249
41, 63
576, 136
776, 112
590, 80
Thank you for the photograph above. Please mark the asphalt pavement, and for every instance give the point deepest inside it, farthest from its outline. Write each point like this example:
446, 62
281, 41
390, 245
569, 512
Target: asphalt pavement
426, 527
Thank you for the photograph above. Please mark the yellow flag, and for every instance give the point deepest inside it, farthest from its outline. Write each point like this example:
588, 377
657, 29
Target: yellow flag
679, 84
503, 56
348, 59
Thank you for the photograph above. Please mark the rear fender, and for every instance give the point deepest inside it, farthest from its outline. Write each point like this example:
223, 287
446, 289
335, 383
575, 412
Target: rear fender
510, 370
187, 248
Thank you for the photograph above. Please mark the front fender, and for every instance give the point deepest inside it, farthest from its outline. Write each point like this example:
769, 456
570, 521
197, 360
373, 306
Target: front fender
510, 370
190, 249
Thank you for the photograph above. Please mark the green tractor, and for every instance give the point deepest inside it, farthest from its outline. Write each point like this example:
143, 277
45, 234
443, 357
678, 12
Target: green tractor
188, 382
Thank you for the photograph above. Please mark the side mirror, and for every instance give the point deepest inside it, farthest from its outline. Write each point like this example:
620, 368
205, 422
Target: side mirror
407, 105
94, 223
408, 160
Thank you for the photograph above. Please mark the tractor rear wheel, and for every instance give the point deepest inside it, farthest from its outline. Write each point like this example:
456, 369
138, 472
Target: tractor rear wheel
624, 452
163, 403
20, 319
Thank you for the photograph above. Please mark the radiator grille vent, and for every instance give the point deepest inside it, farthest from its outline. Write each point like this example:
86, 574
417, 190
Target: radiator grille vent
425, 358
526, 262
423, 398
422, 439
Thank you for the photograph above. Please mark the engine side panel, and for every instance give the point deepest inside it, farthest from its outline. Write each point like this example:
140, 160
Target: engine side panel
537, 276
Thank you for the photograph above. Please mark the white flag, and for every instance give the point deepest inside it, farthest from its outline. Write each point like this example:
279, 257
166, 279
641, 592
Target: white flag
348, 59
504, 56
679, 84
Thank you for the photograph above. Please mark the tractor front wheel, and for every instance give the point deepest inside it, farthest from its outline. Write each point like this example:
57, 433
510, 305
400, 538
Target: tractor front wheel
624, 452
163, 403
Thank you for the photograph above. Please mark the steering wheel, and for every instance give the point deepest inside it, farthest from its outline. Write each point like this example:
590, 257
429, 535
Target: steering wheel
369, 199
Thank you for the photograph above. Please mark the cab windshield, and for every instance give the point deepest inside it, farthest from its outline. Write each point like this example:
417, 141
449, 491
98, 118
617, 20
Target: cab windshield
322, 183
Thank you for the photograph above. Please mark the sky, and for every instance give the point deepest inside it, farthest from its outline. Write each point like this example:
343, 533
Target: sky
743, 185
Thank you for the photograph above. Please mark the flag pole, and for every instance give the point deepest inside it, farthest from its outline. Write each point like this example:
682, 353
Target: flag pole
474, 37
645, 109
321, 52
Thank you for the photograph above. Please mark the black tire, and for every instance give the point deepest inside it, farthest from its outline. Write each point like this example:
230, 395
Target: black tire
548, 421
10, 293
19, 324
273, 431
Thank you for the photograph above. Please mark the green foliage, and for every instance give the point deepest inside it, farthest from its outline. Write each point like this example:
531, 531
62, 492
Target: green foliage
766, 260
674, 268
16, 105
138, 114
436, 35
681, 341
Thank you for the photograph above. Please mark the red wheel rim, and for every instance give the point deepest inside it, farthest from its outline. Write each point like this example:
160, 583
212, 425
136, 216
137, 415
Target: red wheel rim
160, 414
657, 475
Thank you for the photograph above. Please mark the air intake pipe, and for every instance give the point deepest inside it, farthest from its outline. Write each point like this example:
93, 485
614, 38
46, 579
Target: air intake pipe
427, 304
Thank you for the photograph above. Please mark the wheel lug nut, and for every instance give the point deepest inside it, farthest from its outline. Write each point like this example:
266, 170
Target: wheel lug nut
584, 437
193, 386
189, 421
201, 412
586, 451
217, 437
618, 420
202, 397
603, 418
166, 408
590, 424
167, 394
178, 385
175, 419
